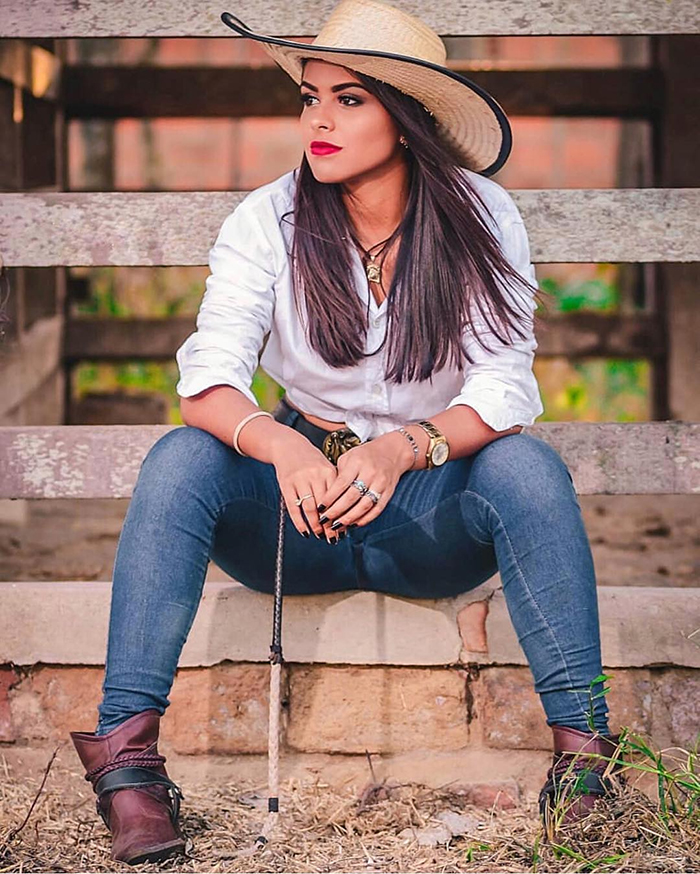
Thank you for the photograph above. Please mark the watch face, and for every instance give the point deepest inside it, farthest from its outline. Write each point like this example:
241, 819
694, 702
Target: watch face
440, 453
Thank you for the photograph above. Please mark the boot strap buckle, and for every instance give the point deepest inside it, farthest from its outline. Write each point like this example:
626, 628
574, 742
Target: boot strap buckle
133, 778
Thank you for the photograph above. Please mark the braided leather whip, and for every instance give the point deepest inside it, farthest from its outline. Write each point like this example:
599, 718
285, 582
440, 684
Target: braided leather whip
276, 659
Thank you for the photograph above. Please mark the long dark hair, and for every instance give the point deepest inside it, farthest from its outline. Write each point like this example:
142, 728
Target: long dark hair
447, 262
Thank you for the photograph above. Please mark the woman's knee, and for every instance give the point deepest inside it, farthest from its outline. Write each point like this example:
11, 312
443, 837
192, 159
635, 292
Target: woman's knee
186, 454
524, 467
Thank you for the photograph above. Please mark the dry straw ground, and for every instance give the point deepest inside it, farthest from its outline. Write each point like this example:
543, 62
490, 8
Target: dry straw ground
390, 826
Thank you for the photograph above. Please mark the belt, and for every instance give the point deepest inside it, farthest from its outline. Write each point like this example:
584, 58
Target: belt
332, 443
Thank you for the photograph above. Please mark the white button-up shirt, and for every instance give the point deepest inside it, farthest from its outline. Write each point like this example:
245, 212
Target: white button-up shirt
248, 305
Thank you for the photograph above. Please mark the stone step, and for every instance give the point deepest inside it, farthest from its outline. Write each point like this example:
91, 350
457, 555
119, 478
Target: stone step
66, 623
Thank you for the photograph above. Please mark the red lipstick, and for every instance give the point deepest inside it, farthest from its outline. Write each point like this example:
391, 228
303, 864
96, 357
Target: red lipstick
319, 147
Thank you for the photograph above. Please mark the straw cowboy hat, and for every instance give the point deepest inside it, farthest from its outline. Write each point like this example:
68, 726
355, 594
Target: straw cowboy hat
375, 38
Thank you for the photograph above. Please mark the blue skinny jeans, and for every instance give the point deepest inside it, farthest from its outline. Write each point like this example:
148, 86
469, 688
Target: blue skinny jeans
510, 507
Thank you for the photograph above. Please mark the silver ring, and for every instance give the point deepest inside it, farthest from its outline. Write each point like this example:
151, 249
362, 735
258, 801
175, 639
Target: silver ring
360, 485
303, 498
374, 495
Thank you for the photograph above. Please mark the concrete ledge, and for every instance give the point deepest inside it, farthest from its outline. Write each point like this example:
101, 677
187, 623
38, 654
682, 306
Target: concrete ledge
103, 461
66, 623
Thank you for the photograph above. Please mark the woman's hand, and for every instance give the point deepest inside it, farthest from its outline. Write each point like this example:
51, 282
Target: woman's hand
379, 465
302, 469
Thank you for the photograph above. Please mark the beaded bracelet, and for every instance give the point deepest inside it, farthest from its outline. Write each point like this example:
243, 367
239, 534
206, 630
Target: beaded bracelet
413, 441
242, 423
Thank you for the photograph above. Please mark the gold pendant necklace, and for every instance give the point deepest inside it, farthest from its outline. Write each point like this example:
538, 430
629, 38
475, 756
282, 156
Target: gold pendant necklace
374, 270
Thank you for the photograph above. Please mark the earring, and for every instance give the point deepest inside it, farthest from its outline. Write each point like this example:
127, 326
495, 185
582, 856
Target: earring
402, 140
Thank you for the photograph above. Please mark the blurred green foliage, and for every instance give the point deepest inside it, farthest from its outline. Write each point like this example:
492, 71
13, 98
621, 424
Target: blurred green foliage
594, 389
598, 294
104, 297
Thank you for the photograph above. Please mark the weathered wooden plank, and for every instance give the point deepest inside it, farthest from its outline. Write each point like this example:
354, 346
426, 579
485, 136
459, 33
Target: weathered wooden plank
637, 629
177, 228
39, 144
100, 339
24, 366
587, 334
10, 165
94, 18
93, 461
574, 335
91, 92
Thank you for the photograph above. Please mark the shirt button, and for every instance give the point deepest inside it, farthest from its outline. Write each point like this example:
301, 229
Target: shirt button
376, 322
377, 390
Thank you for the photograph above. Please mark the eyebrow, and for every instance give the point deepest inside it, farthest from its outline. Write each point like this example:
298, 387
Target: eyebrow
335, 88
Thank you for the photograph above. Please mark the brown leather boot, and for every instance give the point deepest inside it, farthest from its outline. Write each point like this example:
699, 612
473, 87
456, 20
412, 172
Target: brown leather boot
136, 799
576, 781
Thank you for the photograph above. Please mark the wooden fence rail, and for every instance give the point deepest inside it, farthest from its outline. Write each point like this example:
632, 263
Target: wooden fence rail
103, 461
56, 229
572, 335
168, 18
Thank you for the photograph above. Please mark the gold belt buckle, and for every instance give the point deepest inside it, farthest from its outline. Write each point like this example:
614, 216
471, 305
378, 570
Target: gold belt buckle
339, 441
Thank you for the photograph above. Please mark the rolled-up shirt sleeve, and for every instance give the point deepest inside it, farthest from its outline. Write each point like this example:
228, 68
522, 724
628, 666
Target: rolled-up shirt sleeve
501, 386
236, 309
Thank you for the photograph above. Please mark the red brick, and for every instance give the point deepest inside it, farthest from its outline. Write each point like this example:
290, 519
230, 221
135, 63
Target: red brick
508, 710
222, 709
677, 706
378, 709
8, 678
50, 702
630, 699
512, 717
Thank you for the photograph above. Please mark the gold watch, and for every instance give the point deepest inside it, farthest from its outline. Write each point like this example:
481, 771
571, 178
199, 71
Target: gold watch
439, 449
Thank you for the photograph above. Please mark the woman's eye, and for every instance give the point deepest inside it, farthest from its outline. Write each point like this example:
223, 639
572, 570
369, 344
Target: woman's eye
303, 99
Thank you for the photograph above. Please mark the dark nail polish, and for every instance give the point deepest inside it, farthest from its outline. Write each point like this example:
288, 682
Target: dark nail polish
321, 508
305, 533
336, 525
323, 519
334, 541
342, 535
354, 525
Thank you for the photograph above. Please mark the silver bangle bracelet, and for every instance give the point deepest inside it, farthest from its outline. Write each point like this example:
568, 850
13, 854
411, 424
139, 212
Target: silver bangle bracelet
413, 443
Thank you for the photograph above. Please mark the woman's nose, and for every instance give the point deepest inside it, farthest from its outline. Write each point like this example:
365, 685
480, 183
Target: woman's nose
321, 120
